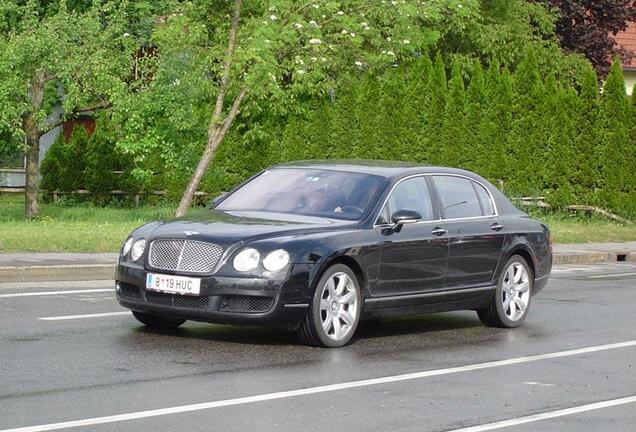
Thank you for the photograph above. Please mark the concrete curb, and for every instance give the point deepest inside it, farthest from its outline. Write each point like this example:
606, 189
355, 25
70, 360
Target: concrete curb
52, 273
593, 257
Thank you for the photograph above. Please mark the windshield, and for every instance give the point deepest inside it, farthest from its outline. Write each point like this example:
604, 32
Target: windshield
311, 192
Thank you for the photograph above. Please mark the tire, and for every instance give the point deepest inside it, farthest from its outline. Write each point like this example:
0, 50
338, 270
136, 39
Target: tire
335, 309
505, 313
158, 321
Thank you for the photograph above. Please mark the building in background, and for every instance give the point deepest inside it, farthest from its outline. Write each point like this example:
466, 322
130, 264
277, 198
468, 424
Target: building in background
627, 40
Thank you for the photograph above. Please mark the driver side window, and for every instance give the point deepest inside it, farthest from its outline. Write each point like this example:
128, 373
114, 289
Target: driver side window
411, 194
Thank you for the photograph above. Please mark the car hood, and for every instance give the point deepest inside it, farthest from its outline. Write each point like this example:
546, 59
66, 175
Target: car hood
229, 227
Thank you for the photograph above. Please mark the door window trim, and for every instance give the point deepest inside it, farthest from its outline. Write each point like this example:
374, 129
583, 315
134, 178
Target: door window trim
440, 218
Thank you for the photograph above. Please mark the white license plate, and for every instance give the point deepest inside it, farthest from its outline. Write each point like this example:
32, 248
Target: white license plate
173, 284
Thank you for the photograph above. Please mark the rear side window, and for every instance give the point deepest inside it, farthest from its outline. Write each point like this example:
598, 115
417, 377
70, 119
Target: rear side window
484, 199
411, 194
457, 196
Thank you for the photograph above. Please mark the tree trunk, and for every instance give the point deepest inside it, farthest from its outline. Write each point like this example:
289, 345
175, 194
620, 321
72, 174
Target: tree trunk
32, 133
32, 164
215, 138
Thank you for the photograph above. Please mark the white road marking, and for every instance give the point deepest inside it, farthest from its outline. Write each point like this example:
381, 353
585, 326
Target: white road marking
611, 275
106, 283
73, 317
48, 293
547, 415
535, 383
315, 390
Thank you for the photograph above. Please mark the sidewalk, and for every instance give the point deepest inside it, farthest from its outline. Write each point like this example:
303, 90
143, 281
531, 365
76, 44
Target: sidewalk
34, 267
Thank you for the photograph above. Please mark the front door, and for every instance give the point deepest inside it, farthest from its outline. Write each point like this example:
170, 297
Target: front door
412, 260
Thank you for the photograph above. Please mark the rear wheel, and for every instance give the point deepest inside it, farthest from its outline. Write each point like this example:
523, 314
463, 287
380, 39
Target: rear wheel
511, 302
158, 321
334, 313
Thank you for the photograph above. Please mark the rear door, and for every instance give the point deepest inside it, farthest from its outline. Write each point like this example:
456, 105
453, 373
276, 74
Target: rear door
475, 235
414, 259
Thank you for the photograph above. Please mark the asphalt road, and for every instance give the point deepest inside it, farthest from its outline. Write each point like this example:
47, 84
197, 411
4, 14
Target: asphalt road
78, 359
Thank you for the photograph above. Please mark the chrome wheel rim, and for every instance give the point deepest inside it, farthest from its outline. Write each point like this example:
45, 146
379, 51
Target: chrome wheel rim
515, 291
338, 306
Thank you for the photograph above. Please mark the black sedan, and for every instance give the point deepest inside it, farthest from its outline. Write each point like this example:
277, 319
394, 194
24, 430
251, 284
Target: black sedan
318, 246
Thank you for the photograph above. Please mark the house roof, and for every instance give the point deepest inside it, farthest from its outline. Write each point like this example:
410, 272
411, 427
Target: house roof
627, 40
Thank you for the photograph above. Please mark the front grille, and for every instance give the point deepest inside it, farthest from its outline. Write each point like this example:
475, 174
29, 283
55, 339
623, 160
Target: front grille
184, 255
176, 300
235, 303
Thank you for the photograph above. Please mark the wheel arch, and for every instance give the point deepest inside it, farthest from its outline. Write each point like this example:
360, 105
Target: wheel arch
524, 252
347, 260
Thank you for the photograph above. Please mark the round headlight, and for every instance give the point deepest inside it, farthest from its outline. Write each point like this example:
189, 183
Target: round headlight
246, 260
138, 249
127, 246
276, 260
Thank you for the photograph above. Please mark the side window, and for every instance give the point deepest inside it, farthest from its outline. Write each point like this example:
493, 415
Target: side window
412, 194
484, 199
457, 196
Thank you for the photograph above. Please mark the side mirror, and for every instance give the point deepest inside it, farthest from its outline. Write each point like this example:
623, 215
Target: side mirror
217, 199
403, 217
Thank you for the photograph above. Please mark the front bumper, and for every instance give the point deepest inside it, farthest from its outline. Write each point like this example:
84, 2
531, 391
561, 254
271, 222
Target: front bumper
227, 300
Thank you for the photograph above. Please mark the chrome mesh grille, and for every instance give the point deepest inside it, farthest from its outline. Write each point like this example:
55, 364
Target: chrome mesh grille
184, 255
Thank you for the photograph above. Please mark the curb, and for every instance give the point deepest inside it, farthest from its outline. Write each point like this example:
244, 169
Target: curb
54, 273
593, 257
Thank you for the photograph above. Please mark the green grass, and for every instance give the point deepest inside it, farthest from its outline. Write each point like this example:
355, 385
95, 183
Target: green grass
78, 228
86, 228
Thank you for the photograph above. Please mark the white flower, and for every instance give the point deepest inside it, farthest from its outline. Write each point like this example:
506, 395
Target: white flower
364, 24
176, 82
298, 25
344, 32
315, 41
314, 59
313, 23
460, 6
273, 17
301, 71
126, 34
391, 53
316, 6
393, 2
323, 59
358, 63
353, 34
298, 60
388, 39
340, 13
406, 41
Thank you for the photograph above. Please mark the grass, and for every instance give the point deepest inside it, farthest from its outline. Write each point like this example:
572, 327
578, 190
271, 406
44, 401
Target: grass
86, 228
78, 228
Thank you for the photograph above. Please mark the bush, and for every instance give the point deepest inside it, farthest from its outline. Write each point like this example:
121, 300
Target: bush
64, 164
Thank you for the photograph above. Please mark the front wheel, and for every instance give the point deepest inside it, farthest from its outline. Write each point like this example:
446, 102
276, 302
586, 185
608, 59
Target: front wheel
335, 310
511, 302
158, 321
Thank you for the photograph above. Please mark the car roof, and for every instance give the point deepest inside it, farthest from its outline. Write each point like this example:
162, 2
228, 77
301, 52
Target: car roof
388, 169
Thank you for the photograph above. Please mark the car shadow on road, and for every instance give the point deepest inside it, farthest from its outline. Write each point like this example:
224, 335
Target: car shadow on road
432, 324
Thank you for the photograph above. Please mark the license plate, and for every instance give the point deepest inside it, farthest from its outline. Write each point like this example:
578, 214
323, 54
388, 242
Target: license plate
173, 284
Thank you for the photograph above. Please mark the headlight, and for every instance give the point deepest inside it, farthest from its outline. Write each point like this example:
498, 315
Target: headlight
127, 246
276, 260
246, 260
138, 249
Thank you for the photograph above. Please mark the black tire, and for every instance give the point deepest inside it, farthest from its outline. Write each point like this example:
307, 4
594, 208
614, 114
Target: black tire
494, 314
311, 331
158, 321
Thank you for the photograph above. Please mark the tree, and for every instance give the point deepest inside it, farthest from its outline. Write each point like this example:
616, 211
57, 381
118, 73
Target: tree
229, 57
588, 27
57, 56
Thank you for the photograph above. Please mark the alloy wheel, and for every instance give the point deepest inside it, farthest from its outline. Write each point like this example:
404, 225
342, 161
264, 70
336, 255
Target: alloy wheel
338, 306
515, 291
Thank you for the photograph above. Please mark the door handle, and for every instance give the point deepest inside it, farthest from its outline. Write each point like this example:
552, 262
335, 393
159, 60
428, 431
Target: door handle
496, 226
438, 231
